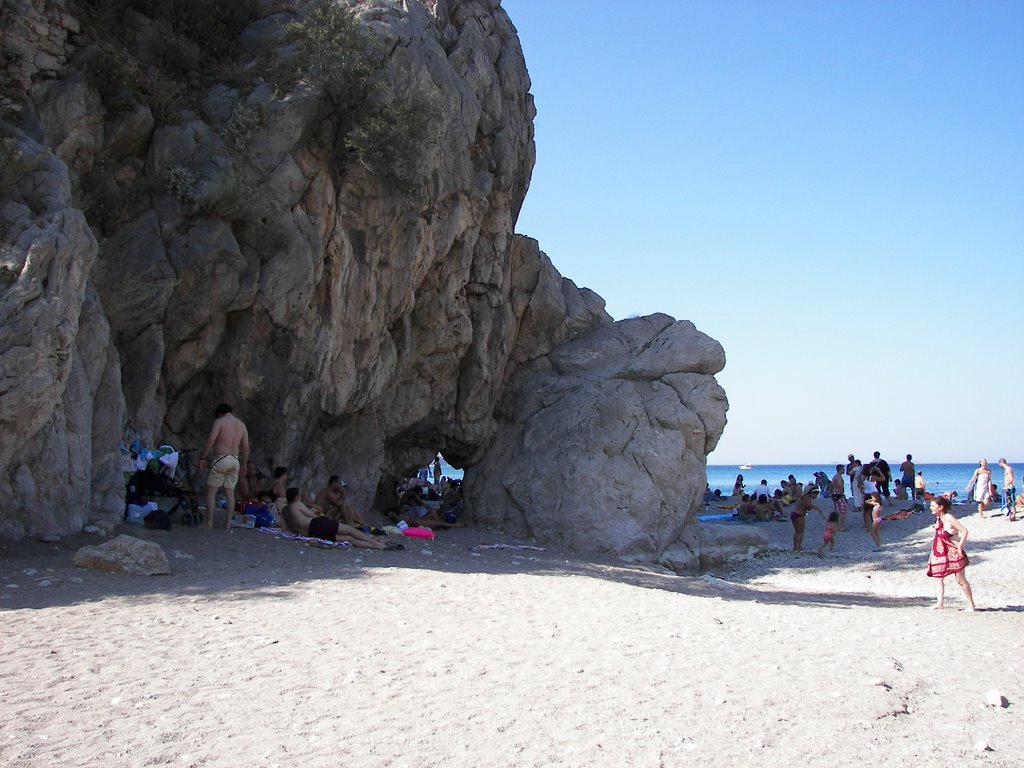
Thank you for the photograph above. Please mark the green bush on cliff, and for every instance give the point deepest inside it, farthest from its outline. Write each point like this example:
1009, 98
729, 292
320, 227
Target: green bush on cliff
381, 130
230, 199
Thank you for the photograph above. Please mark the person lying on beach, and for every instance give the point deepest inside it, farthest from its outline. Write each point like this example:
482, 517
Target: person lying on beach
417, 514
300, 519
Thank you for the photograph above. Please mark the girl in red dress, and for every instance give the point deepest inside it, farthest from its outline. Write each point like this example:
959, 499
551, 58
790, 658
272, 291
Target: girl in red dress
948, 556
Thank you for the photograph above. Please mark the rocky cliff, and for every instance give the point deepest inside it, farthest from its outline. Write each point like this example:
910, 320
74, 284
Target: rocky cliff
188, 218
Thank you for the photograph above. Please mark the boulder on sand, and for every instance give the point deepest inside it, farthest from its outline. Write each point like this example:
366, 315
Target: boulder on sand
125, 554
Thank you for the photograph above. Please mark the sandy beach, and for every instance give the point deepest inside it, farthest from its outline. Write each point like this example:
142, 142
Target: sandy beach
259, 651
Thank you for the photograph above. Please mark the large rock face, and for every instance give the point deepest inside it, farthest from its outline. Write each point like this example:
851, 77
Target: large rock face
231, 254
602, 442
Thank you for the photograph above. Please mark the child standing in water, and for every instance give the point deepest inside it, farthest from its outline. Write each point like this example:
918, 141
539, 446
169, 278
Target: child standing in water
874, 501
829, 534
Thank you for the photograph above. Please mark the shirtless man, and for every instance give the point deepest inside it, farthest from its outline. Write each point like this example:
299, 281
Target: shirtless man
907, 476
1009, 490
228, 449
920, 485
333, 500
839, 496
300, 519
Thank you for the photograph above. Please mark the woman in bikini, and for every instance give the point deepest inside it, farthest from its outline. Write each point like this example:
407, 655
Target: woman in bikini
799, 512
873, 503
947, 555
737, 487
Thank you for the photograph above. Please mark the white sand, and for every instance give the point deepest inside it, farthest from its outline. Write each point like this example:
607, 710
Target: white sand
258, 651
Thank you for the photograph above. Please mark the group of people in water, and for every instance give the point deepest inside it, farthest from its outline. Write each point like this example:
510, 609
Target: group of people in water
329, 515
869, 485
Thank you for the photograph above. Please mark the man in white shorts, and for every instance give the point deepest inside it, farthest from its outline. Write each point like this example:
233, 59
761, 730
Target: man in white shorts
228, 450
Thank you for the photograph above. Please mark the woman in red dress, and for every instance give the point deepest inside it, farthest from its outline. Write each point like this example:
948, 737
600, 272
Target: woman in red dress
948, 556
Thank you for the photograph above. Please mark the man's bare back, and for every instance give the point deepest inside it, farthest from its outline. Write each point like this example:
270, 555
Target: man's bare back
225, 452
229, 437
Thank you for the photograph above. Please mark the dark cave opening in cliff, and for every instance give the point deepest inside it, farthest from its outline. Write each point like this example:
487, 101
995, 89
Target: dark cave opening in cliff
438, 482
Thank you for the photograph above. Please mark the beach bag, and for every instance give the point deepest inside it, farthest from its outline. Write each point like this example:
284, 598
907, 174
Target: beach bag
157, 521
263, 516
135, 514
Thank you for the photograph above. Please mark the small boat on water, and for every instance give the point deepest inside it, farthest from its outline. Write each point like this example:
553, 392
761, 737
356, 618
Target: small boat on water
746, 466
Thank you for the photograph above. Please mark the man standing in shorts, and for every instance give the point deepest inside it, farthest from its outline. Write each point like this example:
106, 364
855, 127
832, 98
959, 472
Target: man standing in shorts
228, 450
884, 477
1009, 490
838, 493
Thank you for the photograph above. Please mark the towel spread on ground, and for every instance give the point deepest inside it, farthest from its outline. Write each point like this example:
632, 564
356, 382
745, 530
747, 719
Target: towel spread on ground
311, 539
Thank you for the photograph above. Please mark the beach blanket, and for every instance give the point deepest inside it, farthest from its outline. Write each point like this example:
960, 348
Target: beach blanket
309, 539
510, 546
720, 516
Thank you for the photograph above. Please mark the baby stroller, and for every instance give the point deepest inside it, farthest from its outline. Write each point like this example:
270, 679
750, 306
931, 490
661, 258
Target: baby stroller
155, 477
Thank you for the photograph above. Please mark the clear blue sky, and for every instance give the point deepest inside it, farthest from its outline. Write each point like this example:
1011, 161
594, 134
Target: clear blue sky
832, 190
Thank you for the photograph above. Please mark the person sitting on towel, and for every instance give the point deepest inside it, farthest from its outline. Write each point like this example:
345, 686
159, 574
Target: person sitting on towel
300, 519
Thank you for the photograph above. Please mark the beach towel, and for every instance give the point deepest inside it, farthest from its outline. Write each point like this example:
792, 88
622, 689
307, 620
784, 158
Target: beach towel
309, 539
510, 546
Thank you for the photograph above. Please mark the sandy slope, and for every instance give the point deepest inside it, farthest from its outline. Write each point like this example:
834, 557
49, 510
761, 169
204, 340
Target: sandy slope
259, 651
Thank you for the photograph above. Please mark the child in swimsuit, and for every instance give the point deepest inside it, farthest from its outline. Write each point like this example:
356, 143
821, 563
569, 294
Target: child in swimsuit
875, 502
829, 534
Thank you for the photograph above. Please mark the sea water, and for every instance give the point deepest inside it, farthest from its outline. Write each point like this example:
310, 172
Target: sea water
939, 478
447, 470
